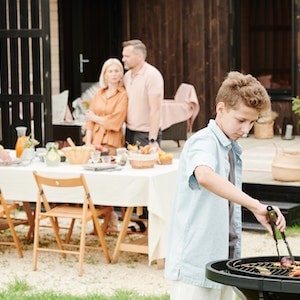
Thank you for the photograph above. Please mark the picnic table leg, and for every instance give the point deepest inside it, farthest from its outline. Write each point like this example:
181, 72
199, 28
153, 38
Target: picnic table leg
122, 234
30, 217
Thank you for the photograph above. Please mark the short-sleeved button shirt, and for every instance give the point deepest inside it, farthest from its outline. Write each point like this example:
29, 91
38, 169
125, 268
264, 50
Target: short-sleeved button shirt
199, 229
147, 81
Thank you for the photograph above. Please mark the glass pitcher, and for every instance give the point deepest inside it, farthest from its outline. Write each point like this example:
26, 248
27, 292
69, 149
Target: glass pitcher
21, 138
52, 156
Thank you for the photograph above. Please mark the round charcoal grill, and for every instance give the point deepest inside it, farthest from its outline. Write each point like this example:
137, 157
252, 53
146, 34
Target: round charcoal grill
258, 278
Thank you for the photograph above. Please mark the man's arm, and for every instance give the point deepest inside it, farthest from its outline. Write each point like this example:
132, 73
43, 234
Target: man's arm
155, 112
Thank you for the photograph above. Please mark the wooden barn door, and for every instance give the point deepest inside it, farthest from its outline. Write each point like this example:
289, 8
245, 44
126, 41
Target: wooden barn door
25, 98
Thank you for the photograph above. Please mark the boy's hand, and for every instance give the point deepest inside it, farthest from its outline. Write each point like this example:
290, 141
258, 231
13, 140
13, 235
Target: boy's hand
262, 216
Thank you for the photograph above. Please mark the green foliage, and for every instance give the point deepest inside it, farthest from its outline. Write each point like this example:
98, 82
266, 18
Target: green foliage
16, 290
293, 230
296, 105
296, 108
290, 231
19, 286
30, 142
21, 290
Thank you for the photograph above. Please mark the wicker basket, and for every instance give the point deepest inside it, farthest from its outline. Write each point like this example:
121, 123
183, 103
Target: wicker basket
78, 155
264, 130
142, 161
286, 165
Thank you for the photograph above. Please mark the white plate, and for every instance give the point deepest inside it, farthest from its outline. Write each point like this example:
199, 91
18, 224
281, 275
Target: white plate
100, 167
15, 161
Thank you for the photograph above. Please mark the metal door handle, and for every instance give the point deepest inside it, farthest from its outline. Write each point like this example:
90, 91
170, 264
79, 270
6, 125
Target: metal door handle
82, 61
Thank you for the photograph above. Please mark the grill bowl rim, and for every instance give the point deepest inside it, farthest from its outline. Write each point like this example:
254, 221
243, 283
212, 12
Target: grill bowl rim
217, 271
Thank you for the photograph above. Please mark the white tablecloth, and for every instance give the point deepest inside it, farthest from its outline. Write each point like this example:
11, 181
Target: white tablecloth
153, 188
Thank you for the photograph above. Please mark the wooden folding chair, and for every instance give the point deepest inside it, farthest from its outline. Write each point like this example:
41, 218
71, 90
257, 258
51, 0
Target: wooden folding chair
49, 187
8, 222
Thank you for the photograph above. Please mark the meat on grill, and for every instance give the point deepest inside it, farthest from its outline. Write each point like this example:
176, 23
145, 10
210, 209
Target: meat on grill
286, 261
295, 273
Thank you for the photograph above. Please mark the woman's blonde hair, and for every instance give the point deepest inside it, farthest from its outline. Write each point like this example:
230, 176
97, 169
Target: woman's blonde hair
106, 65
239, 88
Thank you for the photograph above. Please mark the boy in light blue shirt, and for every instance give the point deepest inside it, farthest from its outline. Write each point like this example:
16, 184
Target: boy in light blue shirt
206, 215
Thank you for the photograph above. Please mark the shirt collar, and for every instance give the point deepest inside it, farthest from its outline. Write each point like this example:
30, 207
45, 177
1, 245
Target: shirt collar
223, 139
142, 70
120, 88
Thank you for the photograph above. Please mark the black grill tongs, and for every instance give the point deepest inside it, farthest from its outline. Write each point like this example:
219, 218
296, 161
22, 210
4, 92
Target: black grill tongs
273, 218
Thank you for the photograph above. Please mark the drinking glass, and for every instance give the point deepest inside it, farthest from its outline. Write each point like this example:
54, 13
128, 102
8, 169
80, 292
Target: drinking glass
122, 156
106, 159
41, 153
95, 156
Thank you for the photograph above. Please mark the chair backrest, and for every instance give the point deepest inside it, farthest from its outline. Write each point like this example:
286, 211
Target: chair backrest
63, 190
185, 92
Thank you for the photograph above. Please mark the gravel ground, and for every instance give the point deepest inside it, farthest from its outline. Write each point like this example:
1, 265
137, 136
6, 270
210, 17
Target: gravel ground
132, 272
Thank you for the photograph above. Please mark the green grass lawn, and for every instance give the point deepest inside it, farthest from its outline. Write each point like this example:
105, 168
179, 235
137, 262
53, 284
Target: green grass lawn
21, 290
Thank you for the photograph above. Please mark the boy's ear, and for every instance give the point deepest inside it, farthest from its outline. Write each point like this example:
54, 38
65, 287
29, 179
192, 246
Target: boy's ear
220, 108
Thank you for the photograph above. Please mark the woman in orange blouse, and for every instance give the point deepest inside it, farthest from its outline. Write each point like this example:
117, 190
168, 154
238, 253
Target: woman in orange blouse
108, 109
106, 115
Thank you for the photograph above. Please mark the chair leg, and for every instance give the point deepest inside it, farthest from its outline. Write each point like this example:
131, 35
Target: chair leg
101, 239
70, 231
14, 235
57, 237
36, 240
82, 248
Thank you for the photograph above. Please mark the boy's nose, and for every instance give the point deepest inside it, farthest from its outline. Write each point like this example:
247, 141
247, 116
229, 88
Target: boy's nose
246, 128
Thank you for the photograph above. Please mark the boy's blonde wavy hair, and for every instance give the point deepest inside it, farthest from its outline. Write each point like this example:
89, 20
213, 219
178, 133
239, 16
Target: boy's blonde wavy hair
239, 88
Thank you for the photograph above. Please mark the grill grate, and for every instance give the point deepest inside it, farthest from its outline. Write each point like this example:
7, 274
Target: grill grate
264, 268
261, 267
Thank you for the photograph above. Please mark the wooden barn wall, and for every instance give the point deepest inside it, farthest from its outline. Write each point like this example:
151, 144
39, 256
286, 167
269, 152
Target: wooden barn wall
296, 52
284, 107
187, 41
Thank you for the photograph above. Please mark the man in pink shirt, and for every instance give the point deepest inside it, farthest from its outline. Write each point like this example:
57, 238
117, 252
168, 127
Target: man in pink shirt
145, 88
